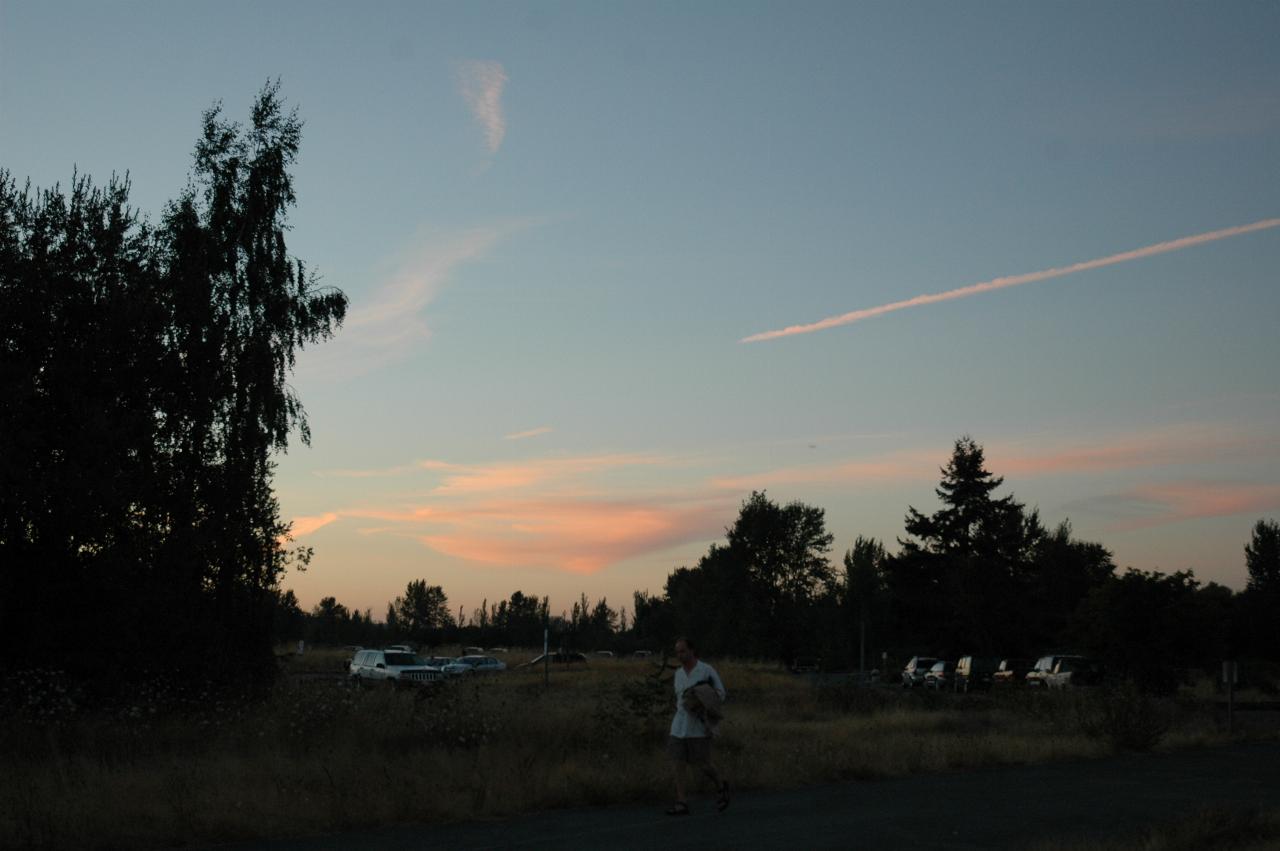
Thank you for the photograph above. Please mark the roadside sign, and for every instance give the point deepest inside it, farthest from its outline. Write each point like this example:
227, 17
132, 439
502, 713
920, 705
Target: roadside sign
1230, 673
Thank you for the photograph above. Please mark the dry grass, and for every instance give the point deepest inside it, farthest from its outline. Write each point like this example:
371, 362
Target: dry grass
318, 756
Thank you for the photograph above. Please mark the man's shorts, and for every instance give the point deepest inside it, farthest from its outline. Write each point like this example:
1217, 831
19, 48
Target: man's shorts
695, 750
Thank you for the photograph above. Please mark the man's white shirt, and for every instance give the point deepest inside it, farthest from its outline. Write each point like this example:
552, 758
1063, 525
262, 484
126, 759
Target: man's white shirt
686, 725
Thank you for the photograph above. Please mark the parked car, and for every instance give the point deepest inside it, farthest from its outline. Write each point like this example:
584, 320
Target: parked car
913, 673
1011, 672
1043, 667
975, 673
642, 654
939, 676
472, 651
372, 667
437, 662
474, 665
498, 650
400, 648
558, 659
603, 654
806, 665
1073, 671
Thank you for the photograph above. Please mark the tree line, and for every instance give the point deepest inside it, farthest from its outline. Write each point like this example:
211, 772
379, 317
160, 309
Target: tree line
145, 367
982, 574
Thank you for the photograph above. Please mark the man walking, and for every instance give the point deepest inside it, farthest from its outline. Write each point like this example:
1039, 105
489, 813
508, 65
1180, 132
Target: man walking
692, 726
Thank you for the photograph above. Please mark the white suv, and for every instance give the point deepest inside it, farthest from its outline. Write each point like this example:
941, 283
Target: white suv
370, 667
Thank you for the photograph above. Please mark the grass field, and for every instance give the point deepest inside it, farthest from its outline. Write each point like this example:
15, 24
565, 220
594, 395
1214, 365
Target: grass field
319, 756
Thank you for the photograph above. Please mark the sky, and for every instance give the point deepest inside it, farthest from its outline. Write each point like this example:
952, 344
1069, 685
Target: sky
612, 266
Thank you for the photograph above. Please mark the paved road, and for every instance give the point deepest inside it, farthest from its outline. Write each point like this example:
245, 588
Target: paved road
996, 808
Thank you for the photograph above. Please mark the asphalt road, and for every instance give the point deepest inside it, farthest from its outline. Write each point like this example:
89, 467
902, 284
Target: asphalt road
995, 808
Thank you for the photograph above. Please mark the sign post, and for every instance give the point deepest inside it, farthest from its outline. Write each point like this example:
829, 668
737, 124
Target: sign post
546, 657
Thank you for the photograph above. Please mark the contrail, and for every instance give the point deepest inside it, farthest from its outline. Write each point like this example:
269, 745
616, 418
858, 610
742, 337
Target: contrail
1014, 280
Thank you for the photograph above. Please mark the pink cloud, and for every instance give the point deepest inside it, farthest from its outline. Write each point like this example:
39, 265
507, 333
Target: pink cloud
1162, 504
579, 536
533, 432
526, 474
306, 525
1162, 447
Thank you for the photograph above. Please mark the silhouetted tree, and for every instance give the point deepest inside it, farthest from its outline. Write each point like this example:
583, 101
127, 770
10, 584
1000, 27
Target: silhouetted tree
864, 590
145, 382
1262, 558
1260, 603
1141, 625
1061, 573
423, 612
956, 583
289, 621
754, 595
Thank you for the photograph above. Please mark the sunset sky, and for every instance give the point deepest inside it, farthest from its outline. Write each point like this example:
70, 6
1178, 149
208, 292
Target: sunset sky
570, 231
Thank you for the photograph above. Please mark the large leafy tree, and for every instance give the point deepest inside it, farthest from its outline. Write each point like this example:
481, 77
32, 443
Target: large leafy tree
864, 590
145, 372
1260, 606
755, 593
423, 612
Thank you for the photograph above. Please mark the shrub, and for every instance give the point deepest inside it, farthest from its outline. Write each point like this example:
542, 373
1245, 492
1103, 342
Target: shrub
1126, 716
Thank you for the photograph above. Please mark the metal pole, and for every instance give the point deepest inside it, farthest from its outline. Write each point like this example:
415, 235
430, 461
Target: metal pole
546, 657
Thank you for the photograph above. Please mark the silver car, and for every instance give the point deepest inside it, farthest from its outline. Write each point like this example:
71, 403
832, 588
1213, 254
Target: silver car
464, 665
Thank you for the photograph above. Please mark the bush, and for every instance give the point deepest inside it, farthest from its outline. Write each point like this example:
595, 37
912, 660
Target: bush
1126, 716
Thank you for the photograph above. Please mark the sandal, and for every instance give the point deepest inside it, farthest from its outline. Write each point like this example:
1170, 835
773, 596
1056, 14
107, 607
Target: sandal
722, 799
679, 808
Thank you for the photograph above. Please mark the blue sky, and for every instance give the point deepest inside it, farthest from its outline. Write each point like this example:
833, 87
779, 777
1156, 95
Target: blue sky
563, 218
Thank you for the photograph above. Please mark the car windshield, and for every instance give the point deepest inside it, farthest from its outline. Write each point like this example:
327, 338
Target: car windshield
403, 659
467, 660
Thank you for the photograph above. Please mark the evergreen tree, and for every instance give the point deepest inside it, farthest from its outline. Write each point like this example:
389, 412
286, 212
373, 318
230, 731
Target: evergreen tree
1262, 558
956, 583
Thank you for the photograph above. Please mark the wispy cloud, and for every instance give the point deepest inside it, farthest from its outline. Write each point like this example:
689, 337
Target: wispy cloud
1175, 502
578, 536
557, 513
533, 432
542, 472
1013, 281
1167, 446
306, 525
1171, 446
389, 324
480, 83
